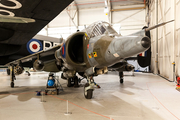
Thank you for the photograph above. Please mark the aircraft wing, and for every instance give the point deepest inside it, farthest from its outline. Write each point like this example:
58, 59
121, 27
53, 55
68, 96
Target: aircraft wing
13, 35
42, 54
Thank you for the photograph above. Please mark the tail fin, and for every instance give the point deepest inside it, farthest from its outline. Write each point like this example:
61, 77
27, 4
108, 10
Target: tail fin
158, 25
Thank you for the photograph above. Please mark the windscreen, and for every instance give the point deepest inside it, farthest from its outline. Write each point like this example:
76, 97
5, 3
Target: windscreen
99, 28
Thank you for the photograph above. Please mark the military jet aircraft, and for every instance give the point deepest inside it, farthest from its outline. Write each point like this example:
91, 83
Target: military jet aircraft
89, 53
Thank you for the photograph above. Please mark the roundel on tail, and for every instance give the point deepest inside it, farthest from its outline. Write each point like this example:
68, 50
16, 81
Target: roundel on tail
34, 46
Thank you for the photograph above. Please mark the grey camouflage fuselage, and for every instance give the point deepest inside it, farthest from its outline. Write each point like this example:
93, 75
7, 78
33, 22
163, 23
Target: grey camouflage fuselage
98, 47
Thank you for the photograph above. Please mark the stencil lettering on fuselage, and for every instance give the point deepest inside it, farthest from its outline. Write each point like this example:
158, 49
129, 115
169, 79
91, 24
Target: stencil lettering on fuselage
47, 45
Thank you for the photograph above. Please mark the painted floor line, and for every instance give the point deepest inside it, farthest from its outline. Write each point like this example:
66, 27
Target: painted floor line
82, 107
160, 101
62, 100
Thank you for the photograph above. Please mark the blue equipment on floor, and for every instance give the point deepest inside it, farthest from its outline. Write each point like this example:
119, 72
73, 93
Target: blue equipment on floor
38, 93
53, 84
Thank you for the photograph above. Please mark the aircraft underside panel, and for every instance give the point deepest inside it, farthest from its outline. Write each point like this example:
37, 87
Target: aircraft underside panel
43, 11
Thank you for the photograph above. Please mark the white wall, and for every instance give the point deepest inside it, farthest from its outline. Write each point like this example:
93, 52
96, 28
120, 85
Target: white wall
153, 36
177, 36
88, 16
128, 21
167, 37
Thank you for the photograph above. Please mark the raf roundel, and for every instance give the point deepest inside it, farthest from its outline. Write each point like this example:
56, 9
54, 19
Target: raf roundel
34, 46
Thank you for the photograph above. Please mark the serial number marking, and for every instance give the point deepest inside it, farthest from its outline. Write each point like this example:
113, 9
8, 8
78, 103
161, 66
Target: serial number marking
6, 11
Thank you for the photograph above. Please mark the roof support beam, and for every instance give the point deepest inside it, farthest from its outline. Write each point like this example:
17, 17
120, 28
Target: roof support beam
110, 13
134, 8
130, 16
75, 14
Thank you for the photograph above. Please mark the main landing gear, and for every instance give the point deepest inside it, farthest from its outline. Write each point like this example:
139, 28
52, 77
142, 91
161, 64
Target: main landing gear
73, 82
121, 77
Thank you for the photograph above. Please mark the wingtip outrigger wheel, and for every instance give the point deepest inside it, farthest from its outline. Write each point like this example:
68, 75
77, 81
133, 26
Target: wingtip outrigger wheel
121, 80
12, 84
121, 77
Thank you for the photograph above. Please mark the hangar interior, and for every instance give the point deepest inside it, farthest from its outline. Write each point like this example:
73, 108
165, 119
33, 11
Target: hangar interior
126, 17
143, 96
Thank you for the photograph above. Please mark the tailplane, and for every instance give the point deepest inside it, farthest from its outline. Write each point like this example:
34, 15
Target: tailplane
158, 25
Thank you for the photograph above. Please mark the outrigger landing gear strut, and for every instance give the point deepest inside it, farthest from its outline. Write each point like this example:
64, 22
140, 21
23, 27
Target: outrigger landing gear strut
12, 75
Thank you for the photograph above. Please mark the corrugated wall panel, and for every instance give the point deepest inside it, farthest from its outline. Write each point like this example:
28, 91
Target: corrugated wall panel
177, 40
165, 38
153, 32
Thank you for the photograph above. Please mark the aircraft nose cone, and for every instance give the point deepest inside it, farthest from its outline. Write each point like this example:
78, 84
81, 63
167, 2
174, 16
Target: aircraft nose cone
146, 42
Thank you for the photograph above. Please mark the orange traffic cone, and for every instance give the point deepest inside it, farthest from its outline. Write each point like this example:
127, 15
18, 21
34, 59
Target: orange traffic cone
178, 83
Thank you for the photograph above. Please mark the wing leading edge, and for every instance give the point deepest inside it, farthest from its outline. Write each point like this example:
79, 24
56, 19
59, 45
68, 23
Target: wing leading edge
43, 53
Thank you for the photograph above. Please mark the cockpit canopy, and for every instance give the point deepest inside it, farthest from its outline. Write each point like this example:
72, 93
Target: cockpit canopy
100, 28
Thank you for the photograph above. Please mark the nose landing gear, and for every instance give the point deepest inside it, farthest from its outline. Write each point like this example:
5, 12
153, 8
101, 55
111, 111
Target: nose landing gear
88, 91
89, 87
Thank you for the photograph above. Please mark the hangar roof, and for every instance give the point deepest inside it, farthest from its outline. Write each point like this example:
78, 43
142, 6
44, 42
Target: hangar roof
84, 4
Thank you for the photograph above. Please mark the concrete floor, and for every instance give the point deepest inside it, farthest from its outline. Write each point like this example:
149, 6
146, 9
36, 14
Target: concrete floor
142, 97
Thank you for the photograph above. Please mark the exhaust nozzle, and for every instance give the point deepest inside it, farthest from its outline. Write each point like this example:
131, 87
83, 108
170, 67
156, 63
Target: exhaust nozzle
145, 42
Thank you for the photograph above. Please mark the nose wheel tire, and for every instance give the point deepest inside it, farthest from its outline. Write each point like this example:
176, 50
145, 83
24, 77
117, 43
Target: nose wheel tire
89, 93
